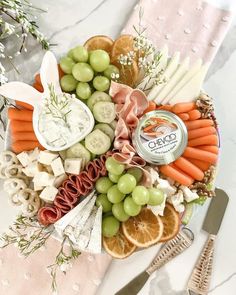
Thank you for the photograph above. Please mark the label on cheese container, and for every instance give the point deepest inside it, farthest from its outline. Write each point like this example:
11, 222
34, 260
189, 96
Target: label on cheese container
160, 137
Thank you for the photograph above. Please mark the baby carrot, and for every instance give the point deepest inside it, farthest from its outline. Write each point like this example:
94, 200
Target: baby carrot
38, 86
199, 124
179, 176
195, 153
151, 107
19, 126
37, 79
61, 73
20, 115
24, 136
196, 133
184, 116
183, 107
165, 107
24, 105
200, 164
209, 148
25, 145
189, 168
204, 140
194, 115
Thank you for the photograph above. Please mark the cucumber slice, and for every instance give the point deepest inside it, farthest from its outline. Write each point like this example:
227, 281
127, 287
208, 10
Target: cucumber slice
187, 213
105, 128
96, 97
113, 124
78, 151
104, 112
97, 142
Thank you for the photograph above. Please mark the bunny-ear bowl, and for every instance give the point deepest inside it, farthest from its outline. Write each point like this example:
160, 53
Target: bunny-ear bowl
50, 80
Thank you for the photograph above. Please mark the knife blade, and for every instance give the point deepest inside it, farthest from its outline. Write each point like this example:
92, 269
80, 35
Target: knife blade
199, 281
169, 250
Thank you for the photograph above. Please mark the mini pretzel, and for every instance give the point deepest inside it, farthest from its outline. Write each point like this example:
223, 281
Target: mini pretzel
30, 202
13, 171
8, 158
2, 172
13, 185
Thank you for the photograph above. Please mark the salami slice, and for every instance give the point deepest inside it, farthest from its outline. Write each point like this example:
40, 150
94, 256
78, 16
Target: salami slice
49, 215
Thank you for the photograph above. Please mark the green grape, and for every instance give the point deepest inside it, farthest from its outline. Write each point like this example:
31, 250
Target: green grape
114, 167
99, 60
68, 83
101, 83
113, 177
82, 72
119, 212
103, 184
136, 172
103, 201
80, 54
130, 207
156, 196
66, 64
83, 90
114, 195
70, 53
126, 183
110, 226
140, 195
111, 70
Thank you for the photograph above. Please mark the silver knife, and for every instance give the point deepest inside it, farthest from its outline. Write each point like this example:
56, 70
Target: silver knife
170, 250
199, 281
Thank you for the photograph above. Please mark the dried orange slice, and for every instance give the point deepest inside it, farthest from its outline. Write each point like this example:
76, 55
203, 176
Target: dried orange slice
99, 42
144, 229
122, 45
118, 246
171, 222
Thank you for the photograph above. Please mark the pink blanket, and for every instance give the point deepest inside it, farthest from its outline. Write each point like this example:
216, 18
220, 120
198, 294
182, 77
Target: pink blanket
193, 27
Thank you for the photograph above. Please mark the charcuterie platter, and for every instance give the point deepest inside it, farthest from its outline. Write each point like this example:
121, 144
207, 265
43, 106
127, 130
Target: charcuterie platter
110, 148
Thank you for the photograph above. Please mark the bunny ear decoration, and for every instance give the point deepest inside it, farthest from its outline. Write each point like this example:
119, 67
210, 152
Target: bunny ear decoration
22, 92
49, 73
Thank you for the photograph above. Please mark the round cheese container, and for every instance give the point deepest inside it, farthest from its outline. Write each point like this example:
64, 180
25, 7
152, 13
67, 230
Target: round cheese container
160, 137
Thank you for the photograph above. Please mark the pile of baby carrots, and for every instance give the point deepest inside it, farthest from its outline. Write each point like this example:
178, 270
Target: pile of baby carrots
202, 149
23, 137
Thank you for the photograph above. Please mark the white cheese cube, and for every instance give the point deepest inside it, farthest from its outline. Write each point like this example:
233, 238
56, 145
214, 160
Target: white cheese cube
24, 158
48, 194
33, 155
46, 157
32, 169
189, 195
57, 167
73, 165
37, 188
59, 180
43, 179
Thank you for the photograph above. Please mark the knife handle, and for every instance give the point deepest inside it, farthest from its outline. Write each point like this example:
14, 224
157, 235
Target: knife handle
199, 281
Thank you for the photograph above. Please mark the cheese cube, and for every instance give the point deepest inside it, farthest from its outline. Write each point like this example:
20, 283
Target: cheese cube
59, 180
43, 179
57, 167
33, 155
46, 157
48, 194
73, 165
32, 169
37, 188
24, 158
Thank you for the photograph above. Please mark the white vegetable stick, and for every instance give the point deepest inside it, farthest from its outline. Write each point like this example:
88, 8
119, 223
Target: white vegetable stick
192, 71
161, 66
168, 73
178, 75
192, 89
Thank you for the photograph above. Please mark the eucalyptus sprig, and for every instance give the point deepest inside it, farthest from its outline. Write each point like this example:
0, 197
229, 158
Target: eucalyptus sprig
63, 261
27, 234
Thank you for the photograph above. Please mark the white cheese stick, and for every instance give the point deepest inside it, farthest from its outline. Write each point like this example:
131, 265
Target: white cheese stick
192, 89
174, 80
168, 73
190, 73
48, 194
148, 81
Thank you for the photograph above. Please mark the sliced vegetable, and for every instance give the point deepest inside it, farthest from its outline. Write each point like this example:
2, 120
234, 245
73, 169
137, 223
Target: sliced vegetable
96, 97
104, 112
78, 151
97, 142
187, 213
105, 128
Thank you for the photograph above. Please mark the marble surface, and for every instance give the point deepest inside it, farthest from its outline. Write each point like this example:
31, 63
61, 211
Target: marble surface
68, 23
